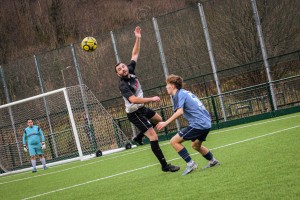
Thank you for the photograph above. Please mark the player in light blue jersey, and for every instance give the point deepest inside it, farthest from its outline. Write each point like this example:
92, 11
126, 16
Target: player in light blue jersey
34, 138
192, 109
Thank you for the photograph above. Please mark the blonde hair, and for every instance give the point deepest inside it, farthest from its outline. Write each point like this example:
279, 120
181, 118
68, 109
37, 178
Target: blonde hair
175, 80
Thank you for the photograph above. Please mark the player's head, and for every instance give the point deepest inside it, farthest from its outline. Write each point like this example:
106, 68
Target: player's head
174, 83
121, 70
30, 122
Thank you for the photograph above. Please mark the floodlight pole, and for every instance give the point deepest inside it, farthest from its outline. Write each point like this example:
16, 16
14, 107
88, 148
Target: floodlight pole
163, 60
63, 75
212, 58
118, 60
264, 51
10, 113
37, 65
113, 40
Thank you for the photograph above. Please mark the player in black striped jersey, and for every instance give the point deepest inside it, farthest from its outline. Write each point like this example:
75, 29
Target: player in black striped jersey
137, 113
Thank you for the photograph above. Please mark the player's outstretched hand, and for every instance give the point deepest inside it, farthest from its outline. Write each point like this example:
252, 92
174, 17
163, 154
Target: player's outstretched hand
156, 98
25, 148
161, 125
43, 145
137, 32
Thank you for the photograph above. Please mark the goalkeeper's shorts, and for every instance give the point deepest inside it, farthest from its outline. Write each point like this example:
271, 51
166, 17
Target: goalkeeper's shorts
35, 150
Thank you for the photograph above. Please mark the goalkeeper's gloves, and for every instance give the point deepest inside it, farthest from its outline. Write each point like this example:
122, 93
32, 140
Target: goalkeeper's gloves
25, 148
43, 145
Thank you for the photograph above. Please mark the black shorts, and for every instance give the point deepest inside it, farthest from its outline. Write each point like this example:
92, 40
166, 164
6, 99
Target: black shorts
190, 133
140, 118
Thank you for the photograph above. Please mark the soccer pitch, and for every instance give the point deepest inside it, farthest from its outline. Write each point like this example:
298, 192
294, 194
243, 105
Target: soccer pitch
259, 160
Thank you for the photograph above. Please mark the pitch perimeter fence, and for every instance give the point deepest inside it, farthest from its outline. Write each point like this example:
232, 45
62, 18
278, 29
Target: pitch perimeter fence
239, 104
241, 57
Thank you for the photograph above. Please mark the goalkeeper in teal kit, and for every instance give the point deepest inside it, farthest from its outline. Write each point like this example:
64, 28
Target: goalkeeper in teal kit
34, 141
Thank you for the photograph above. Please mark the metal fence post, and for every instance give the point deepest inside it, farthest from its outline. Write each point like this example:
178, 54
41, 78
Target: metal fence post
113, 40
10, 113
37, 65
212, 58
264, 51
163, 59
215, 109
84, 98
269, 96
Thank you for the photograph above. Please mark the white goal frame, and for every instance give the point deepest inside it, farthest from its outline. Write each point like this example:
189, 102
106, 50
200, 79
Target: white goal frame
73, 127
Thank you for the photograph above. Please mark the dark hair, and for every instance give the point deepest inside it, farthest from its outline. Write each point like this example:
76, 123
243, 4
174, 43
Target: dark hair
116, 66
175, 80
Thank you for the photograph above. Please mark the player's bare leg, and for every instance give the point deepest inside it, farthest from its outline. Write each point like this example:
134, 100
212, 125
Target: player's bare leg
176, 142
197, 145
154, 120
183, 153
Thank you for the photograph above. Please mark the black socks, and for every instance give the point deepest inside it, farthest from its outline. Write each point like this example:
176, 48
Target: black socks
158, 153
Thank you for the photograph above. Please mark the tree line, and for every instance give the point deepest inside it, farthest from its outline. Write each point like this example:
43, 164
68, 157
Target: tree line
28, 27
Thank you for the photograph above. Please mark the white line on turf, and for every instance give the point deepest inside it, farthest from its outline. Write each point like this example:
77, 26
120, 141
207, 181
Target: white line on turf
133, 170
139, 150
240, 127
83, 165
253, 124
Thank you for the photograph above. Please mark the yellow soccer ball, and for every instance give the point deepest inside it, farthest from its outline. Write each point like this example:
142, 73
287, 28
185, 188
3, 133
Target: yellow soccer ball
89, 44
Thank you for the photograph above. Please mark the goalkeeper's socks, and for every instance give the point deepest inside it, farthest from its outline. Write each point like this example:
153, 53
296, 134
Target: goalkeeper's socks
184, 154
33, 162
158, 153
43, 160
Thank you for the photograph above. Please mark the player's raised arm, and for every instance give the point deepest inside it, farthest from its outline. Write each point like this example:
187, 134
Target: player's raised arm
137, 44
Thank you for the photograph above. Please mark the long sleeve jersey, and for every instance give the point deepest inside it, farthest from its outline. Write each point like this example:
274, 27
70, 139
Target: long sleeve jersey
33, 135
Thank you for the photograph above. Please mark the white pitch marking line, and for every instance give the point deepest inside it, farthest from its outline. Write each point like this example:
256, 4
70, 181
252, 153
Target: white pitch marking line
259, 123
69, 168
133, 170
141, 149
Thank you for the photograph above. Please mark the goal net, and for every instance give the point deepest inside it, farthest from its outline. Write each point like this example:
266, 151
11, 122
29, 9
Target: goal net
74, 123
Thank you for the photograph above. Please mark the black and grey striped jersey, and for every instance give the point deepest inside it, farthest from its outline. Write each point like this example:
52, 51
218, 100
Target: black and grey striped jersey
131, 86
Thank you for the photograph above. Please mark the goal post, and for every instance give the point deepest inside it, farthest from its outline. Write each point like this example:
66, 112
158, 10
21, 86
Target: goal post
71, 136
73, 123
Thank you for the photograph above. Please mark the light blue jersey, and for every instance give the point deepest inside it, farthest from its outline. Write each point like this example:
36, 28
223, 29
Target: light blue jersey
33, 136
193, 109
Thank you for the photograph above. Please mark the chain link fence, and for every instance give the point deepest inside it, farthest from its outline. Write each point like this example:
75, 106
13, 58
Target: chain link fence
216, 46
